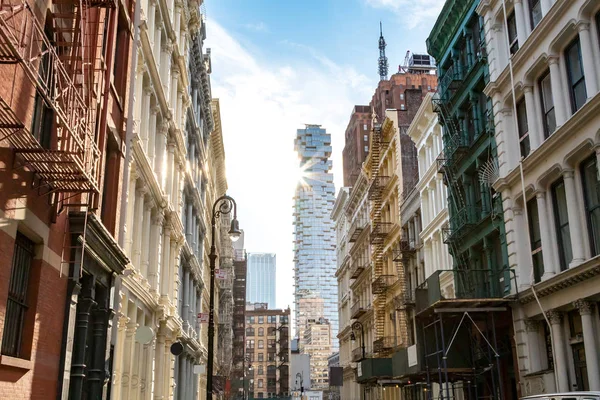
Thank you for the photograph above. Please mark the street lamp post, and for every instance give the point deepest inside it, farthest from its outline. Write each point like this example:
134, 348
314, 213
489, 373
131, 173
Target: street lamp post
356, 325
223, 206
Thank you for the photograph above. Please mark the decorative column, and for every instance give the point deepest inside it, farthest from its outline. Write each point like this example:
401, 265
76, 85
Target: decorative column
520, 19
165, 66
522, 250
166, 258
558, 95
550, 267
170, 171
587, 56
574, 212
173, 268
176, 186
145, 117
159, 367
151, 152
173, 94
151, 18
85, 303
589, 341
157, 39
536, 136
131, 198
532, 327
128, 354
560, 355
138, 226
146, 232
186, 297
189, 221
546, 5
155, 233
161, 147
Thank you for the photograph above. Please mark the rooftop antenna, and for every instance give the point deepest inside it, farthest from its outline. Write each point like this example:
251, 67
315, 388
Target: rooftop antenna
383, 61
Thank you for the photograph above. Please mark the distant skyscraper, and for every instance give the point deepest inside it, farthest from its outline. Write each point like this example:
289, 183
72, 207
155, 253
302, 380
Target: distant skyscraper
314, 251
260, 283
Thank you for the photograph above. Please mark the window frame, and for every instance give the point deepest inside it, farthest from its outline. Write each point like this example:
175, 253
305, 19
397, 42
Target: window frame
535, 241
532, 4
560, 227
575, 43
592, 164
546, 112
513, 43
523, 136
20, 275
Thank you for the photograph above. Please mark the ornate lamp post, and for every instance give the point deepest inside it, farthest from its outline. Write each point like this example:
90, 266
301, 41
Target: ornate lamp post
356, 325
223, 206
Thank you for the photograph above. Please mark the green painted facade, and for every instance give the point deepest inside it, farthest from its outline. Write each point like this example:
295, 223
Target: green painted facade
476, 234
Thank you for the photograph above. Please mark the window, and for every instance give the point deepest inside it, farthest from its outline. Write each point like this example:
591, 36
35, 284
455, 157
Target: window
260, 383
271, 343
576, 76
17, 304
261, 319
270, 356
261, 370
402, 107
365, 127
366, 138
562, 224
547, 104
261, 357
535, 12
513, 40
366, 149
249, 320
523, 128
591, 189
261, 332
535, 239
249, 343
43, 115
249, 331
401, 96
260, 395
261, 344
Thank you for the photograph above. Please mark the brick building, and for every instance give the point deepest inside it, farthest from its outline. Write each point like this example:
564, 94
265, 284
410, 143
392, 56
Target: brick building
356, 145
63, 102
268, 349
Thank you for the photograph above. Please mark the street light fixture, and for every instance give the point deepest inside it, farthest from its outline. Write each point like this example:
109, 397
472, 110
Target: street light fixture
356, 325
223, 206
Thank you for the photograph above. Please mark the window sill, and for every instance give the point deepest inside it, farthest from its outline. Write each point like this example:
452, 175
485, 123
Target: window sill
14, 362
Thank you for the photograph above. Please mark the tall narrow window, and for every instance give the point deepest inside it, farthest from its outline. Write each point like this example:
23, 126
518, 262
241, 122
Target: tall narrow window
591, 188
535, 12
547, 104
513, 40
576, 75
523, 128
561, 218
536, 239
16, 305
43, 114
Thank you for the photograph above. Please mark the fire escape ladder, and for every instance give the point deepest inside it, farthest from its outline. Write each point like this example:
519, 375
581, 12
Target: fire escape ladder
375, 195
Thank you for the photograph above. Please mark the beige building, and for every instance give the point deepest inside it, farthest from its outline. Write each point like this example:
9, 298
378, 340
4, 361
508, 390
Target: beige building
316, 342
176, 172
268, 350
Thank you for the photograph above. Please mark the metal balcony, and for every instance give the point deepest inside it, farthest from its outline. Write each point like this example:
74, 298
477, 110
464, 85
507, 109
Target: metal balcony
358, 266
356, 229
381, 231
465, 287
461, 222
357, 354
377, 185
405, 249
404, 300
381, 284
357, 310
383, 344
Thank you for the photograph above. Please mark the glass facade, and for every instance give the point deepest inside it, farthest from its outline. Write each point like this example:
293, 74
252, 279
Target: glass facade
314, 231
260, 281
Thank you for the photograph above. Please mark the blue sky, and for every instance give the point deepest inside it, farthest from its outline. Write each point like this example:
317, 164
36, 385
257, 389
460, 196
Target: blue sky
278, 64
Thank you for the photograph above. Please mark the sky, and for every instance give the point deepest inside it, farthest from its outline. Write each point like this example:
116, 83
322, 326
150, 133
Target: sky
280, 64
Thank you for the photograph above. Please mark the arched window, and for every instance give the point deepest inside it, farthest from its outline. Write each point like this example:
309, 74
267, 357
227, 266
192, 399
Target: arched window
261, 332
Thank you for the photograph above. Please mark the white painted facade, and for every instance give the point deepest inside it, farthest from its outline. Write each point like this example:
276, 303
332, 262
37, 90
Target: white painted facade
426, 231
548, 100
176, 172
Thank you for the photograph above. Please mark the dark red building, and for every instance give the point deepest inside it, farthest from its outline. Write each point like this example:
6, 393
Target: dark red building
63, 101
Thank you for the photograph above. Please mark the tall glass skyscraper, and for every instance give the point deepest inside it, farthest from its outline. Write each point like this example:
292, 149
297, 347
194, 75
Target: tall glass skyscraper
260, 280
314, 232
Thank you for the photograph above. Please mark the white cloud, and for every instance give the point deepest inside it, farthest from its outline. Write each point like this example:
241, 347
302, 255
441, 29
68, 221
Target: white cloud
263, 102
257, 27
412, 12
